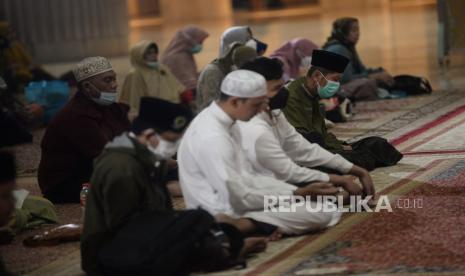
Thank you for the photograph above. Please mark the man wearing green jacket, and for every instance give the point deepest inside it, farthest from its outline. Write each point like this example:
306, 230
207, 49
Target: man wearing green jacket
303, 112
128, 176
128, 183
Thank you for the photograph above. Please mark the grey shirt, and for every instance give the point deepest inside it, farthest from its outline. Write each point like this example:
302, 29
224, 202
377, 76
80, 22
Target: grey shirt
208, 86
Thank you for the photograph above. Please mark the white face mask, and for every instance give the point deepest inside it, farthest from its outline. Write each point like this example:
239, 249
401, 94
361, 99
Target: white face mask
306, 62
252, 44
106, 98
165, 149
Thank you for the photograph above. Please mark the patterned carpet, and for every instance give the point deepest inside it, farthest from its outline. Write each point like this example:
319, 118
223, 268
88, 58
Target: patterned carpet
409, 241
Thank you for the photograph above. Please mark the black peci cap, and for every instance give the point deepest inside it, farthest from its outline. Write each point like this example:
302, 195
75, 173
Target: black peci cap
329, 61
161, 115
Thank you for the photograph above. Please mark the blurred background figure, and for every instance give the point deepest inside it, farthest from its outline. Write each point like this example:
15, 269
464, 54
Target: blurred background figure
17, 132
148, 77
241, 34
18, 69
179, 57
16, 64
295, 55
210, 79
359, 82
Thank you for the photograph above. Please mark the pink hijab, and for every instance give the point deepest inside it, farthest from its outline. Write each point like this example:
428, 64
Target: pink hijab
287, 53
179, 58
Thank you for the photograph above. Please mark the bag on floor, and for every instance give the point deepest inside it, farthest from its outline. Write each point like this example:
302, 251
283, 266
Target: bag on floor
52, 95
383, 153
412, 85
172, 243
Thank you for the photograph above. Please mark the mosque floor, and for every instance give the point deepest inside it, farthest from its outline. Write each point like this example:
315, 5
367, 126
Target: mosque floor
429, 130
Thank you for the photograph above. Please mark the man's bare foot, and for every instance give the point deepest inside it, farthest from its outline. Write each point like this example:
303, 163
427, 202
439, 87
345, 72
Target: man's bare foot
253, 245
276, 235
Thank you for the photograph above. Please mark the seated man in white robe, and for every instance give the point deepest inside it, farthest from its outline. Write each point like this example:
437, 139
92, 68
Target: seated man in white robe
276, 149
216, 176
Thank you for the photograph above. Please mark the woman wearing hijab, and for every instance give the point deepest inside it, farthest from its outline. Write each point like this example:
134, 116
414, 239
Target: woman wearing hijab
208, 88
179, 55
18, 69
243, 35
149, 78
294, 55
16, 60
358, 81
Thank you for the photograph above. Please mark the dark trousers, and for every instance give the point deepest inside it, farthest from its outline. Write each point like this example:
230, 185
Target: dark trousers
64, 193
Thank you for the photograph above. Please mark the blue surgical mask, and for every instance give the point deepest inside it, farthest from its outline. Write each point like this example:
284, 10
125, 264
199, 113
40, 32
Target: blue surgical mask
197, 48
329, 90
152, 64
106, 98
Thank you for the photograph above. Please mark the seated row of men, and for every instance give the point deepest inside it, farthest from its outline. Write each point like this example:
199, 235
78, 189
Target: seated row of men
258, 139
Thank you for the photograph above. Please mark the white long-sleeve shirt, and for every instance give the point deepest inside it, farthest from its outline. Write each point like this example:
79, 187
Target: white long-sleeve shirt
276, 149
214, 172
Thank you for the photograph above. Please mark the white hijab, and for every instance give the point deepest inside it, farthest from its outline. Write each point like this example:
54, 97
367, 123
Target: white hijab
239, 34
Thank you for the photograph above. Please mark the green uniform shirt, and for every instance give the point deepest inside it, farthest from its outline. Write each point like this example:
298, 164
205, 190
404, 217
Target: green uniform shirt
303, 112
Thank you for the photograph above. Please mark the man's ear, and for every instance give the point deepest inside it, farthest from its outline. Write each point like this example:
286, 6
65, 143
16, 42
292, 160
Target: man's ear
311, 79
234, 101
87, 86
317, 76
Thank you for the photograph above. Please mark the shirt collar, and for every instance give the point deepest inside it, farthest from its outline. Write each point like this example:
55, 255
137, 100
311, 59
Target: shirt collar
82, 105
305, 88
306, 91
221, 116
266, 117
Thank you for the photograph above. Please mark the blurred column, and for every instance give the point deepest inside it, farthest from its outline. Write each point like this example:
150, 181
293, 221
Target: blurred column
60, 30
195, 10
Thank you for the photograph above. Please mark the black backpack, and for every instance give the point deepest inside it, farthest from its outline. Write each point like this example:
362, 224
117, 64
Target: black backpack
412, 85
172, 243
